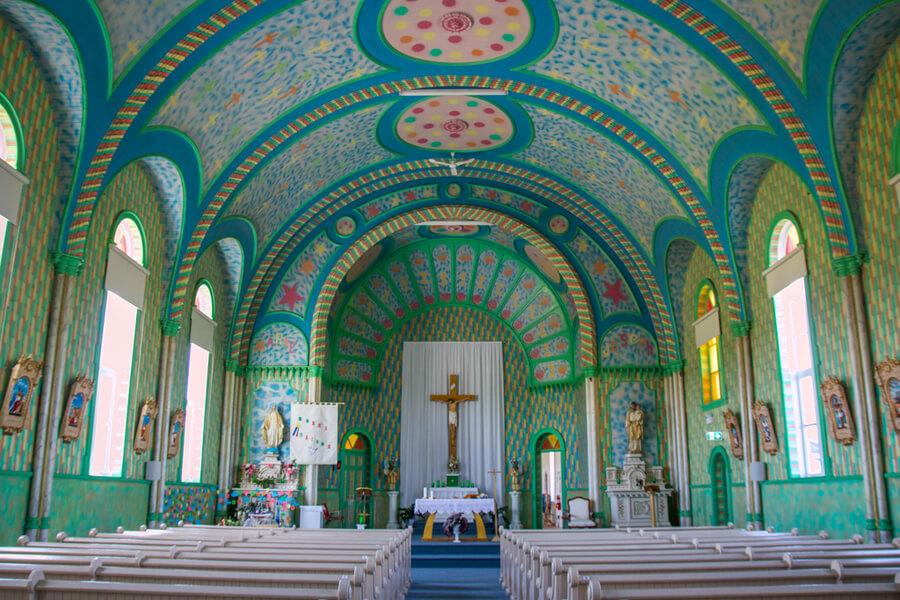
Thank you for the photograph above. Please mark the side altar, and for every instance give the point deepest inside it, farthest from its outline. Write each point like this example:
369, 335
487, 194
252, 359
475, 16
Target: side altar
268, 493
637, 491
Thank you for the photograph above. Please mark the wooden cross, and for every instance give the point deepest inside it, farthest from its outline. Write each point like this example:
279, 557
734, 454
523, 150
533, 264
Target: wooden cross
452, 399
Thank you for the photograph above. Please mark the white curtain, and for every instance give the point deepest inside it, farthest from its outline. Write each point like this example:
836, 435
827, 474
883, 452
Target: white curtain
427, 367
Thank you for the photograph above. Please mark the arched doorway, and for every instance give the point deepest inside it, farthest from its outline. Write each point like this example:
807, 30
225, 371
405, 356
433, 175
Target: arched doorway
548, 481
720, 485
356, 472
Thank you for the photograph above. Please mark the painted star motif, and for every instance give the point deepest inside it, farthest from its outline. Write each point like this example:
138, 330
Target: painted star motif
290, 297
614, 292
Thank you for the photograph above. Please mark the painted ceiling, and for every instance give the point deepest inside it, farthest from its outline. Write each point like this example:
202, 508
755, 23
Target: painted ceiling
277, 133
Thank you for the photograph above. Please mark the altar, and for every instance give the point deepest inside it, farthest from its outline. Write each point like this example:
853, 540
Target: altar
440, 509
443, 493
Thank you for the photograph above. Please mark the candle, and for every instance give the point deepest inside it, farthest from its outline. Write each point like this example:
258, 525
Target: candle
424, 492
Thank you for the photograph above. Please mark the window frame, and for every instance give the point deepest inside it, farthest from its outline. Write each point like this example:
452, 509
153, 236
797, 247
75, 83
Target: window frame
707, 283
201, 283
137, 347
827, 472
7, 105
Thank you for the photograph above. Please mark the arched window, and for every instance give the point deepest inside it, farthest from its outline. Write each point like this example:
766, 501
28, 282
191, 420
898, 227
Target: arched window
707, 332
124, 299
199, 359
10, 182
786, 281
9, 138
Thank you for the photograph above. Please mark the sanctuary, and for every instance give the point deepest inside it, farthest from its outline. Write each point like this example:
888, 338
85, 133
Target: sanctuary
378, 299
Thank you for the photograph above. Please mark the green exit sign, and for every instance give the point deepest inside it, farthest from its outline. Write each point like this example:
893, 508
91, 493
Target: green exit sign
714, 436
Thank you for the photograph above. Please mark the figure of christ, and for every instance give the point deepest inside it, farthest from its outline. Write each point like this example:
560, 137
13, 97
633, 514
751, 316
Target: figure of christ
452, 399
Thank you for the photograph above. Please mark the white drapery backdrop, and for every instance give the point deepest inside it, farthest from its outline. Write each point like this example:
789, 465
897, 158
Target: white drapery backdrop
427, 367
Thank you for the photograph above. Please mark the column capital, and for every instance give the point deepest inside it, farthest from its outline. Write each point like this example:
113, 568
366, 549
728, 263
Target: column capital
676, 366
740, 328
170, 327
845, 266
67, 264
231, 365
590, 371
314, 371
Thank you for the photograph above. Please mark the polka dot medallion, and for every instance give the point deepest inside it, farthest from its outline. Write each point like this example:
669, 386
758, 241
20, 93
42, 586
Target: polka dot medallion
462, 123
456, 31
345, 226
559, 224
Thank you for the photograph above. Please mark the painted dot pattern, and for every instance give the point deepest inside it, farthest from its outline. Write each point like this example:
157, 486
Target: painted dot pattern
456, 31
457, 123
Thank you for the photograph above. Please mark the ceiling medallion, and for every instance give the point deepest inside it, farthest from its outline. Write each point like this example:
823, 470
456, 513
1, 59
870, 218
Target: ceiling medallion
462, 123
437, 31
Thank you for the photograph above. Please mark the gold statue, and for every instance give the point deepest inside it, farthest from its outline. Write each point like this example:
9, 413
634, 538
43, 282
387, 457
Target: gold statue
452, 400
634, 426
393, 474
272, 429
514, 484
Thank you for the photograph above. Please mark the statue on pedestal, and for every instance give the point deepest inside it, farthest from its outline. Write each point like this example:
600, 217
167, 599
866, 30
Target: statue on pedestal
272, 430
514, 485
392, 473
634, 426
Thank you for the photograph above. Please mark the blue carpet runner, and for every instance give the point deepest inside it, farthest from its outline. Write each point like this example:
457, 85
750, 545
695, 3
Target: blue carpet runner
446, 571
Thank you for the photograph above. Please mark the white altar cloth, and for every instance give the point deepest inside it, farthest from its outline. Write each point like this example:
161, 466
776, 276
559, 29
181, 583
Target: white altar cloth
441, 493
447, 506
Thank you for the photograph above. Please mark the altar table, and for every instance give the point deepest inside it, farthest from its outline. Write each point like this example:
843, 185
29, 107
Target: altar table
472, 508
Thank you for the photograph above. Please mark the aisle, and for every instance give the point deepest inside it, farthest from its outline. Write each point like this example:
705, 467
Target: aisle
447, 571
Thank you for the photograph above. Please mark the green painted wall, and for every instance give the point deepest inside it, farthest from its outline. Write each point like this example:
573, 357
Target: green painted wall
80, 503
13, 504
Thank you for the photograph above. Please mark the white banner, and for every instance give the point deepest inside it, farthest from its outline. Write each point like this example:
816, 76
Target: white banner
314, 433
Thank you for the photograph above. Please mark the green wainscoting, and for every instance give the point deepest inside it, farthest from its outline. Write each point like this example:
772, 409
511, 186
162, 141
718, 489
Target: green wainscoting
834, 505
13, 504
80, 503
893, 489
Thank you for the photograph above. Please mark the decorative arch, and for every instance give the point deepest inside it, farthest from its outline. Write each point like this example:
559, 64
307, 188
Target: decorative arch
586, 353
533, 452
204, 299
129, 237
279, 345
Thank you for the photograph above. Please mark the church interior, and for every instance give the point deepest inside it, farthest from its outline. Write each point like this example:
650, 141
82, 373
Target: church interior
511, 298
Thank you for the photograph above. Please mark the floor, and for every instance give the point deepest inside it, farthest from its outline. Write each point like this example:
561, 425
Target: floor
448, 571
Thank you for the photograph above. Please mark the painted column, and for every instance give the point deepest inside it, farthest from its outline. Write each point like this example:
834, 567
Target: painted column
224, 439
240, 391
672, 458
865, 404
751, 450
593, 450
311, 472
49, 407
170, 329
684, 512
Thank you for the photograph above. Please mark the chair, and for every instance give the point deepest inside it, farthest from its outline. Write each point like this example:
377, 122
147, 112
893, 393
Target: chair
579, 513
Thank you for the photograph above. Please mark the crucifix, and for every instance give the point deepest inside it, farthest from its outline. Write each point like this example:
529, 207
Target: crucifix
452, 399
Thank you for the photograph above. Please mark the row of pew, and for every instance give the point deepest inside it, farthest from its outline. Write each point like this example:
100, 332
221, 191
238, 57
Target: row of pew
209, 562
694, 563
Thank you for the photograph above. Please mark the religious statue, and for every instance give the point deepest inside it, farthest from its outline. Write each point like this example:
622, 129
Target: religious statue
452, 400
634, 426
392, 472
272, 429
514, 485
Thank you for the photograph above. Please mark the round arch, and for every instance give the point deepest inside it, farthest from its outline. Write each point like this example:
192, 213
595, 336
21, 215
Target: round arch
587, 351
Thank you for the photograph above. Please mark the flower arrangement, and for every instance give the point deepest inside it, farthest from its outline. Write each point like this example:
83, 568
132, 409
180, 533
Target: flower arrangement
455, 520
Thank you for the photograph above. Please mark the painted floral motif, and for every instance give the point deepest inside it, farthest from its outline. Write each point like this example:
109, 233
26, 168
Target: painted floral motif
558, 224
536, 309
526, 287
541, 261
653, 75
306, 168
610, 288
188, 503
270, 393
484, 274
606, 171
456, 230
465, 265
351, 347
555, 370
293, 292
520, 203
455, 31
551, 324
418, 261
348, 370
628, 346
278, 344
506, 276
351, 321
370, 310
271, 68
558, 346
442, 271
388, 202
233, 257
402, 282
345, 226
383, 293
455, 123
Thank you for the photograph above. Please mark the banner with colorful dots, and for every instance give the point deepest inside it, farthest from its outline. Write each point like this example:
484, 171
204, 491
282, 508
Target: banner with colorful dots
314, 433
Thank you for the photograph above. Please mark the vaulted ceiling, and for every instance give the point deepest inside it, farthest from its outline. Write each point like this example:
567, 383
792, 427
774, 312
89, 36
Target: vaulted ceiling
277, 132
